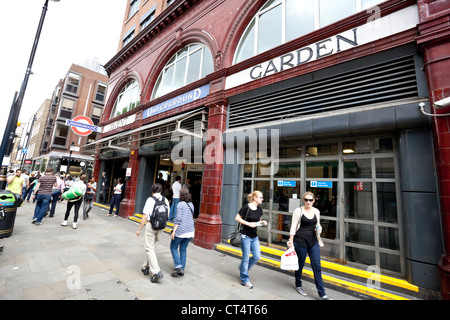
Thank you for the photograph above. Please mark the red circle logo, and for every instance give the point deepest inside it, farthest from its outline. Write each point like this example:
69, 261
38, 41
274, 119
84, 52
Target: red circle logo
80, 128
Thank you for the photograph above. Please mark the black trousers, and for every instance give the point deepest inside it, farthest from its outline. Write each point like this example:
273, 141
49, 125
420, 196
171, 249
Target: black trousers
115, 201
77, 205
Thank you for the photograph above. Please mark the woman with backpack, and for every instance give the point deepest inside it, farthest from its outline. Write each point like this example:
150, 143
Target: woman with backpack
183, 231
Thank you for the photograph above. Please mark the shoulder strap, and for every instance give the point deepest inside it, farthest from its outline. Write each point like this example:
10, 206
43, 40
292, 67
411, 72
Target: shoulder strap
246, 215
240, 226
187, 203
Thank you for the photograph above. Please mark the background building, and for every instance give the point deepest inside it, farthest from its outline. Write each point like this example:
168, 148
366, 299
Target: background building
33, 160
335, 86
81, 92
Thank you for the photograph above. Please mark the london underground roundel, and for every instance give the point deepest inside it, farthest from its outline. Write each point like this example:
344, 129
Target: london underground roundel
82, 125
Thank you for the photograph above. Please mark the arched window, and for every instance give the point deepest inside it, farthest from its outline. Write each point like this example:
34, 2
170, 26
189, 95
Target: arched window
280, 21
189, 64
127, 99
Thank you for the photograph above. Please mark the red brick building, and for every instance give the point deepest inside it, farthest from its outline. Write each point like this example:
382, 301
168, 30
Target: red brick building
334, 88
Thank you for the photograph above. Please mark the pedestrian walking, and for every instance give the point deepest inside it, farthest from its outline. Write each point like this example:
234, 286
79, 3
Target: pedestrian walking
176, 187
81, 187
56, 194
91, 188
250, 218
32, 180
303, 236
25, 177
118, 194
16, 183
183, 231
151, 236
44, 189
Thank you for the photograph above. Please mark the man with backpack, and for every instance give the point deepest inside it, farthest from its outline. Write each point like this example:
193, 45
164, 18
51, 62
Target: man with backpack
156, 214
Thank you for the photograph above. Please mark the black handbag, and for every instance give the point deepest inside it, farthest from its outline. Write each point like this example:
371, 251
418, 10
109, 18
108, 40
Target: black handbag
236, 236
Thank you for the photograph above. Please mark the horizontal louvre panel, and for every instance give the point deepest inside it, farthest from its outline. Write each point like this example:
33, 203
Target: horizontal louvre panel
164, 133
387, 82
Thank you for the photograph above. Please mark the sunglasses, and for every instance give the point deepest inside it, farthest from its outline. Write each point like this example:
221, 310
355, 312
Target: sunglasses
310, 200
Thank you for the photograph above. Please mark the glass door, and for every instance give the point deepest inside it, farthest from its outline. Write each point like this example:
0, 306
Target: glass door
286, 193
355, 183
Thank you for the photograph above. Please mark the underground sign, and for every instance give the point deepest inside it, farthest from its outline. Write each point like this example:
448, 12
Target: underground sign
82, 125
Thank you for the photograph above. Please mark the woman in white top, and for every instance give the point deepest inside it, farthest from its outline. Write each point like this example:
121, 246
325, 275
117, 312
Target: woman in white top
303, 236
116, 198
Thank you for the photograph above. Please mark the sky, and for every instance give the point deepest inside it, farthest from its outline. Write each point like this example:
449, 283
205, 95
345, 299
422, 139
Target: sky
73, 31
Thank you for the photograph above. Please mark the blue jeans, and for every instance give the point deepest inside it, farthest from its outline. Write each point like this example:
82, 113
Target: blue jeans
173, 208
179, 259
53, 202
314, 256
248, 244
42, 201
26, 193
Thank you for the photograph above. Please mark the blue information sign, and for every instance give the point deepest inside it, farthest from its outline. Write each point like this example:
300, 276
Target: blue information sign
321, 184
286, 183
176, 102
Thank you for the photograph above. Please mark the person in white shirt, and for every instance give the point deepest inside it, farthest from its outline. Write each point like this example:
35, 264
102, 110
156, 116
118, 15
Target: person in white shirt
176, 187
151, 236
116, 198
25, 177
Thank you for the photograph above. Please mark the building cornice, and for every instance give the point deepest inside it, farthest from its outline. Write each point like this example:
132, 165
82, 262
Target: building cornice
161, 22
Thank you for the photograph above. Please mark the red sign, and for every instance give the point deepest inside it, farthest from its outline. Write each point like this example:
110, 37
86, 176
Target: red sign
359, 186
82, 125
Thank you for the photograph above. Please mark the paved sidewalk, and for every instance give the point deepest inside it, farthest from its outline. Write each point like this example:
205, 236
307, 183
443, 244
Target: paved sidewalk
101, 260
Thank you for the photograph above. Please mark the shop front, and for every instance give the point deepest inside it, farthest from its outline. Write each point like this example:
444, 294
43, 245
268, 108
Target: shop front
359, 162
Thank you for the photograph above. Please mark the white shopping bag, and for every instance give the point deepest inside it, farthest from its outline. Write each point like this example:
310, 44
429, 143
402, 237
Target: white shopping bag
289, 260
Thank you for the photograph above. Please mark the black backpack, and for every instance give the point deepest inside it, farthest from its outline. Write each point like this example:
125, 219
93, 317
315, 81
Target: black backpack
160, 214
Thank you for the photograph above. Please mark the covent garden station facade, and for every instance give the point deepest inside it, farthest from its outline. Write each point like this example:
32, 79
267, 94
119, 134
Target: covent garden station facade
342, 98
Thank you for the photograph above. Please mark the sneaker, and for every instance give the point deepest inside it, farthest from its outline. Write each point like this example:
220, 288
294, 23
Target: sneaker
300, 290
325, 297
177, 272
64, 223
156, 277
145, 271
248, 285
74, 225
38, 223
34, 221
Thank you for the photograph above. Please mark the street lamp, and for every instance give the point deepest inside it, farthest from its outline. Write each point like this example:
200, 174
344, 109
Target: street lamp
17, 103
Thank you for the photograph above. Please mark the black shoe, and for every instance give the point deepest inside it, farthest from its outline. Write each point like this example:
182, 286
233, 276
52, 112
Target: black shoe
51, 216
177, 272
156, 277
145, 271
